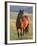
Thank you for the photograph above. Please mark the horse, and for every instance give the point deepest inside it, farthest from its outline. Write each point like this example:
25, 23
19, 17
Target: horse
22, 24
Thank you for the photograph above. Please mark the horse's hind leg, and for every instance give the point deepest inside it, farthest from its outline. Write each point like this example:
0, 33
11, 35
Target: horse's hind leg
28, 28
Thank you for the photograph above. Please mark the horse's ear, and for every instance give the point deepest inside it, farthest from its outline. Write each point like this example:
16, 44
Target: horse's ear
21, 11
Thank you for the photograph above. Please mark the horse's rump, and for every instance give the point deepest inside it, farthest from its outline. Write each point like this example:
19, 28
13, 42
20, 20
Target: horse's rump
25, 22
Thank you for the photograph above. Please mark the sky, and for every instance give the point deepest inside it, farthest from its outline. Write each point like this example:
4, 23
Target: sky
28, 9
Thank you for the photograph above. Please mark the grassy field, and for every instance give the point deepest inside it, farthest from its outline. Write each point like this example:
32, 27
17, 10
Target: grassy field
13, 30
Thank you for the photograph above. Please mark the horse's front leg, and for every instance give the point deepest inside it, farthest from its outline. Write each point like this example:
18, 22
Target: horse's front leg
23, 31
19, 32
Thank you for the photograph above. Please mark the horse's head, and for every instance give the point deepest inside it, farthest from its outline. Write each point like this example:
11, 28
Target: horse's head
21, 12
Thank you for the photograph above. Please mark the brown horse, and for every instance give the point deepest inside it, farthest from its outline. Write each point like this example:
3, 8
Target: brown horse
22, 24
